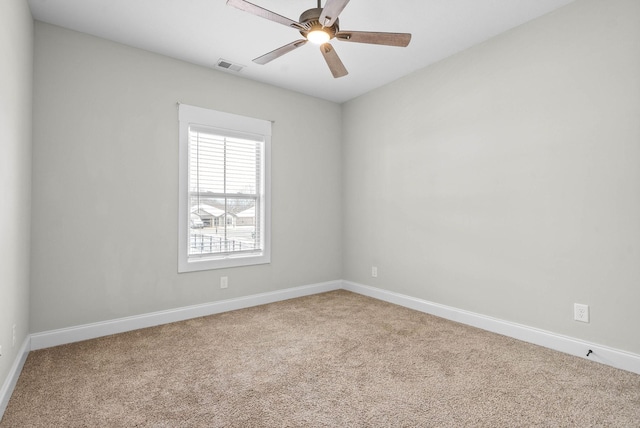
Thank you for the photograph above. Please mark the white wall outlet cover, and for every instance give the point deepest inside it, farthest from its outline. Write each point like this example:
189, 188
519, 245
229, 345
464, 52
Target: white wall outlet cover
581, 312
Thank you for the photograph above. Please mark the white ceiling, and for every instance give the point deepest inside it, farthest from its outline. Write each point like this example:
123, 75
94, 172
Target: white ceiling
204, 31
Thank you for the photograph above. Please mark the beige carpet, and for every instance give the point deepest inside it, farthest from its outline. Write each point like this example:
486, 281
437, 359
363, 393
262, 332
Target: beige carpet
332, 360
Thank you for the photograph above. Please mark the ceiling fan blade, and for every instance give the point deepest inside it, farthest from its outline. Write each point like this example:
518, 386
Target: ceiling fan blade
389, 39
331, 11
264, 13
279, 52
333, 61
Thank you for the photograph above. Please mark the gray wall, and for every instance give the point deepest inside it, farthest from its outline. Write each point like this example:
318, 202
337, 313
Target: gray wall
16, 63
105, 182
505, 180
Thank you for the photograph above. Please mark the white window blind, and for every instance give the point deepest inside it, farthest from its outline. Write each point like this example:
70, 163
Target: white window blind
225, 181
224, 190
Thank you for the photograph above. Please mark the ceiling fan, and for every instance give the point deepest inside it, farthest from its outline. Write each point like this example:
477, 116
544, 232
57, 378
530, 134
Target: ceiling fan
319, 25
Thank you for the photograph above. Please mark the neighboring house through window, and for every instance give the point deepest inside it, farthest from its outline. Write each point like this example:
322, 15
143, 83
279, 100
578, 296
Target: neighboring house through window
224, 179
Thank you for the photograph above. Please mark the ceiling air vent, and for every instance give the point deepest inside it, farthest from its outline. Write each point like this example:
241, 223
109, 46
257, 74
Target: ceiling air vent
228, 65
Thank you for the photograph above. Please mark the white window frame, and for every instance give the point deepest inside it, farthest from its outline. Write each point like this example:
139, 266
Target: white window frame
233, 125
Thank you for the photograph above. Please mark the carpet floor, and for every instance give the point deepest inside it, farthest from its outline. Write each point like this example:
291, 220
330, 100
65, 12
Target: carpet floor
336, 359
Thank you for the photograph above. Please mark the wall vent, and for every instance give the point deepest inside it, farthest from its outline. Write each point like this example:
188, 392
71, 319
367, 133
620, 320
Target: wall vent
228, 65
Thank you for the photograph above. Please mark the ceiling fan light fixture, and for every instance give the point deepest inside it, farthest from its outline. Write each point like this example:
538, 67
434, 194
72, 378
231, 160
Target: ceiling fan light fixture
318, 36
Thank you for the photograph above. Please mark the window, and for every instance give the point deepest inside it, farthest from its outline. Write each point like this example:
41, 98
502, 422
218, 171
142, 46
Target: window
224, 190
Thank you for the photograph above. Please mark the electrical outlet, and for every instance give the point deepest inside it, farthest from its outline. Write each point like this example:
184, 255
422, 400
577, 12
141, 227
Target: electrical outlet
224, 282
374, 271
13, 335
581, 312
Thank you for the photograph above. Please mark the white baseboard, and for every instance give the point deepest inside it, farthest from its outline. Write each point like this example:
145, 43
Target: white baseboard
14, 374
602, 354
63, 336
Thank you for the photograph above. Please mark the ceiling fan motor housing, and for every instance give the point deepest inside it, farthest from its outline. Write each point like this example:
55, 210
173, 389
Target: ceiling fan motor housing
310, 20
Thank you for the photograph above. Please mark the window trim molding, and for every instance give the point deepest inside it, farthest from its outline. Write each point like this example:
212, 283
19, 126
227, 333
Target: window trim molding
237, 125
